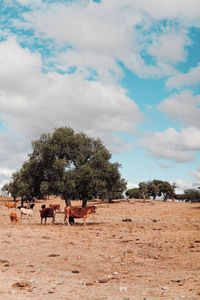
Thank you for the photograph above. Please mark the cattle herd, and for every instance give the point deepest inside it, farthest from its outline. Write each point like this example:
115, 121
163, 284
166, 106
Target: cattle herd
49, 212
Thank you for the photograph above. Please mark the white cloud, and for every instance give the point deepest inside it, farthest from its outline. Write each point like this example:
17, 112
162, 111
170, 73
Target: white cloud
99, 39
196, 174
6, 172
131, 185
13, 151
169, 47
99, 35
183, 80
173, 145
32, 102
188, 11
164, 166
182, 186
183, 107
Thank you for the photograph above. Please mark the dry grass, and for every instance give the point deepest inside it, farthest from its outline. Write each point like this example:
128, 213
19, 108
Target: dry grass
156, 256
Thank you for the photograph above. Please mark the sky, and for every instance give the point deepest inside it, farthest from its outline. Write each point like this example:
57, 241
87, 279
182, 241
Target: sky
124, 71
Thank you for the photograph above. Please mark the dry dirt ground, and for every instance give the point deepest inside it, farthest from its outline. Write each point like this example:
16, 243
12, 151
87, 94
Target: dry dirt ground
155, 256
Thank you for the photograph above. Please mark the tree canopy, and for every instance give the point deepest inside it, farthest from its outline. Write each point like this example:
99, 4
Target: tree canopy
133, 193
69, 164
190, 195
152, 188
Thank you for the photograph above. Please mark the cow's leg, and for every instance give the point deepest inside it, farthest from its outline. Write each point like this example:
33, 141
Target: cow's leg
41, 220
67, 218
45, 220
84, 219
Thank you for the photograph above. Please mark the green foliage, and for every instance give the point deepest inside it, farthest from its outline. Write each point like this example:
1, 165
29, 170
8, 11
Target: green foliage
144, 190
156, 188
133, 193
190, 195
71, 164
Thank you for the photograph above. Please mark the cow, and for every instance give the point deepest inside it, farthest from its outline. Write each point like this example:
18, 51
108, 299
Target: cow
55, 206
25, 206
47, 212
13, 217
78, 212
10, 205
26, 212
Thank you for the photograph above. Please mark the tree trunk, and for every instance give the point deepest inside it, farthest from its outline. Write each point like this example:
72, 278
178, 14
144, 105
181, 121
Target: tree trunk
110, 200
68, 203
22, 201
84, 202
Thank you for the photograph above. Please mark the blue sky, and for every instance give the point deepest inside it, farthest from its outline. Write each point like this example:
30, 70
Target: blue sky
125, 71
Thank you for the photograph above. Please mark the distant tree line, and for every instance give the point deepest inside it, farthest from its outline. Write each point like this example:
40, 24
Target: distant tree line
157, 188
154, 188
190, 195
69, 164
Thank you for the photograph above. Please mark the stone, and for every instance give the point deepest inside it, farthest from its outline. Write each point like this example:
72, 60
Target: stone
103, 280
60, 282
75, 271
21, 284
49, 292
123, 289
89, 284
6, 265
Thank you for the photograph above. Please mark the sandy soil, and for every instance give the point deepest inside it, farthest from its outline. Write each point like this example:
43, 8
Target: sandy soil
155, 256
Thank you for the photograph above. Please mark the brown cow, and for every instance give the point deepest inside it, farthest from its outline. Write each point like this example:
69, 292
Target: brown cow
55, 206
10, 205
47, 212
13, 217
78, 212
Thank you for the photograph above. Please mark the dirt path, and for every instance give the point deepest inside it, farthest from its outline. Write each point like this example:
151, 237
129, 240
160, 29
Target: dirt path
156, 256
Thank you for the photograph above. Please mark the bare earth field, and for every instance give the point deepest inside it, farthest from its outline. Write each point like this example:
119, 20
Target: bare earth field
156, 256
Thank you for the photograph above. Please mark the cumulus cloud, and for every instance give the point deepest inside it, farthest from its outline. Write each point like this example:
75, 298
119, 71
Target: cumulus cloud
95, 36
196, 174
169, 46
183, 107
88, 42
184, 80
131, 185
173, 145
32, 102
187, 12
183, 185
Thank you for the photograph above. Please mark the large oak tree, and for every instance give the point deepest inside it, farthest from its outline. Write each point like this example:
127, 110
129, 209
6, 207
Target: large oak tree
69, 164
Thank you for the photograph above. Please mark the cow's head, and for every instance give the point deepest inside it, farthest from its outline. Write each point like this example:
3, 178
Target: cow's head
93, 209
